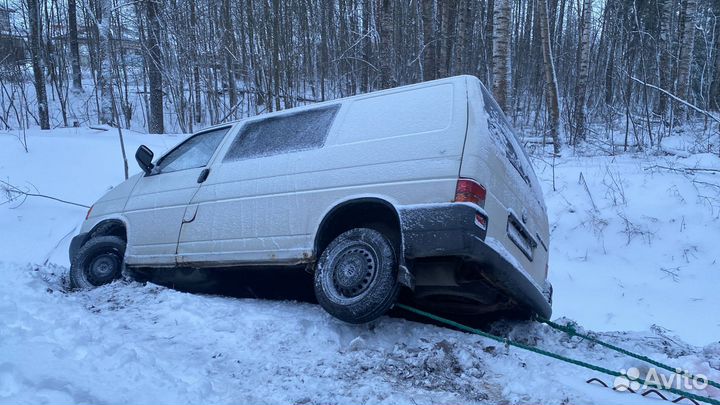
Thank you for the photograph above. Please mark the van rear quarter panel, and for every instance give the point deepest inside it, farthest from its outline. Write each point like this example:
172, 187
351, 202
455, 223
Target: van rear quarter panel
486, 161
404, 146
401, 145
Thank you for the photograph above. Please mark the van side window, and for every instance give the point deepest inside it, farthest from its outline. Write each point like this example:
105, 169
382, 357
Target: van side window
285, 133
194, 152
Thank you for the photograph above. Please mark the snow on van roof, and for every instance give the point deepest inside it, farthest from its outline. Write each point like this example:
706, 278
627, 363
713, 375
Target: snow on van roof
461, 79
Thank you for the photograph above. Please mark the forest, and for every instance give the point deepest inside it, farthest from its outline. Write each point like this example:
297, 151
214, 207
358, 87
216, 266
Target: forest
613, 73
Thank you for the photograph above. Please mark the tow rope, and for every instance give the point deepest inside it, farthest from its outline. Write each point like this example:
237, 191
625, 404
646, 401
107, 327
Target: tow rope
571, 331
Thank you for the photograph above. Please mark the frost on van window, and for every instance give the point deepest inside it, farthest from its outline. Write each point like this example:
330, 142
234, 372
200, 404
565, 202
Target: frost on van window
195, 152
504, 137
281, 134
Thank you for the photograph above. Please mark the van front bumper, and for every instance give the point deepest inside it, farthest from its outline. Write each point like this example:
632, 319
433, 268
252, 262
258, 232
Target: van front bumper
449, 230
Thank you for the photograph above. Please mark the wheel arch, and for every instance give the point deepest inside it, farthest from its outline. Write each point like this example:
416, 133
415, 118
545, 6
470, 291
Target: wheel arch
109, 227
359, 212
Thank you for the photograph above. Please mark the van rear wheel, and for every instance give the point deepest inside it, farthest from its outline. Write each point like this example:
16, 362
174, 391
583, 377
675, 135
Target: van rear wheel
356, 277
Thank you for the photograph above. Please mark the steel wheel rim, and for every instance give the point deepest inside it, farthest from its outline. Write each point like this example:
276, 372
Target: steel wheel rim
103, 268
351, 273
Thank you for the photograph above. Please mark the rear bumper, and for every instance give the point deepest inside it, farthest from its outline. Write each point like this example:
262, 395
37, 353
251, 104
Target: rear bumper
450, 230
75, 245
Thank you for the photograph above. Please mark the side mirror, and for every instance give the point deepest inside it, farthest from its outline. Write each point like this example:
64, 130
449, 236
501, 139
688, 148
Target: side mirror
144, 157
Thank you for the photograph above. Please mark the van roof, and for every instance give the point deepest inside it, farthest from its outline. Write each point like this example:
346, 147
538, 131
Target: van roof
461, 79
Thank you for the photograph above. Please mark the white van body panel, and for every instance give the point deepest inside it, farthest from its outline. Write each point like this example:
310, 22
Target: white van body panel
110, 205
269, 208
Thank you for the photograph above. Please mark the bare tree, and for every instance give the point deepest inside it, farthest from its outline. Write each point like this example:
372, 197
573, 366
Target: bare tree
447, 35
460, 46
583, 60
665, 51
197, 96
428, 50
715, 86
101, 19
276, 52
502, 18
74, 45
687, 44
551, 90
386, 21
36, 51
154, 64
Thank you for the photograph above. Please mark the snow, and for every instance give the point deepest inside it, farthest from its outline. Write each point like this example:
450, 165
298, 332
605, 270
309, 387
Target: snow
639, 246
74, 164
425, 109
634, 258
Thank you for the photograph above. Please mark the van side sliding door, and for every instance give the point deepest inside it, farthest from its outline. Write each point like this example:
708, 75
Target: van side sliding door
248, 211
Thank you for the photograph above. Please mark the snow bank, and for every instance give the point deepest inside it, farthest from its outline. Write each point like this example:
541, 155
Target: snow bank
634, 243
129, 343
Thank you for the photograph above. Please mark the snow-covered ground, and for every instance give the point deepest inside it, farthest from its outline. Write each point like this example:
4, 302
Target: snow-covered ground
634, 257
634, 243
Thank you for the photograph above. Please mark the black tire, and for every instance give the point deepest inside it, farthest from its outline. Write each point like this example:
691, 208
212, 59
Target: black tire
99, 261
356, 276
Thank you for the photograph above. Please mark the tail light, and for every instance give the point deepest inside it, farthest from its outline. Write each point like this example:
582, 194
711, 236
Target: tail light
469, 190
89, 212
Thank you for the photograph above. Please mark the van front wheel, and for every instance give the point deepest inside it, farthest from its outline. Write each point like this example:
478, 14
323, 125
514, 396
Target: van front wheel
356, 277
99, 261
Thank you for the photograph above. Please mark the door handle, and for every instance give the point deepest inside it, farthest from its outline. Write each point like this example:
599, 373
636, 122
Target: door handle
203, 175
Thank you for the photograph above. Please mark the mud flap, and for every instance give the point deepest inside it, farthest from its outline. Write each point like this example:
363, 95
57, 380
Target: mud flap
405, 277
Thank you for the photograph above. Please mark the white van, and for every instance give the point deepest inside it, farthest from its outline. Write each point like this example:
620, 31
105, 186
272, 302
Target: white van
423, 187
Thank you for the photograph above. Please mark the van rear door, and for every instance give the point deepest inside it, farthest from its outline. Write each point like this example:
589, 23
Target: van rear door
494, 157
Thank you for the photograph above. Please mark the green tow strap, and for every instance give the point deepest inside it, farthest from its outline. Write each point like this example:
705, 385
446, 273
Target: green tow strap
553, 355
571, 330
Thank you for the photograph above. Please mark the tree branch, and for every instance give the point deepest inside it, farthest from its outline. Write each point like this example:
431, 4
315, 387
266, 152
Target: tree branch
10, 189
678, 99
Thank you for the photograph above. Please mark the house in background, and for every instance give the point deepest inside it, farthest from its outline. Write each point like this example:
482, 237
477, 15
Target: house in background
12, 46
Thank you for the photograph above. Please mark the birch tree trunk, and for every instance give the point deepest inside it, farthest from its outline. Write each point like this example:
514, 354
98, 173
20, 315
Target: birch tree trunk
463, 7
156, 123
448, 8
551, 90
367, 45
490, 34
582, 72
685, 58
664, 48
74, 47
195, 69
386, 23
276, 51
229, 51
37, 62
428, 20
104, 73
715, 86
501, 53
